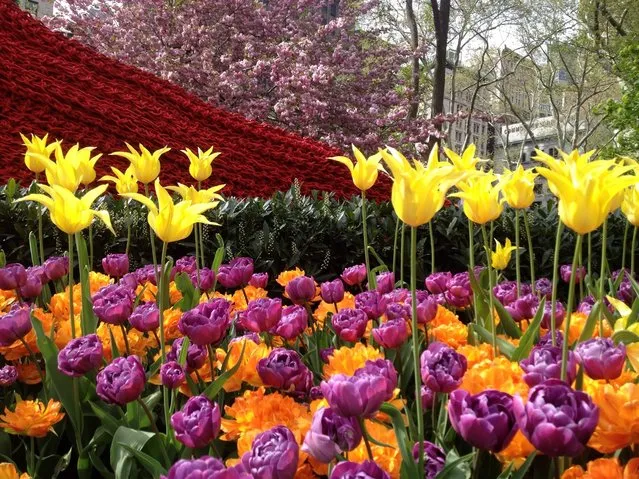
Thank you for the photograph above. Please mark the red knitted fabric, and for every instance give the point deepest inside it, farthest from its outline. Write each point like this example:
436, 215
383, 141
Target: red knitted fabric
49, 83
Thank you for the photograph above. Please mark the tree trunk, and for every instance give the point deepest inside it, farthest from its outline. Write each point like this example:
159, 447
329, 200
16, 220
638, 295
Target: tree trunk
414, 44
441, 18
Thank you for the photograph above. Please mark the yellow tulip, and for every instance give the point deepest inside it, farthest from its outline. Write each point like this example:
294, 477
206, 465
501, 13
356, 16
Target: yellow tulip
124, 182
84, 162
37, 149
189, 193
172, 222
518, 187
630, 204
571, 164
146, 165
365, 172
501, 256
68, 212
200, 164
467, 161
65, 171
419, 192
482, 202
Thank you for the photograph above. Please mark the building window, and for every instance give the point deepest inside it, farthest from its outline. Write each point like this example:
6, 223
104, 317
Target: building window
31, 6
458, 136
552, 151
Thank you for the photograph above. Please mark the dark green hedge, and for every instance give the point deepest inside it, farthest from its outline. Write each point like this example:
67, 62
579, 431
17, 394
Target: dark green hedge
319, 233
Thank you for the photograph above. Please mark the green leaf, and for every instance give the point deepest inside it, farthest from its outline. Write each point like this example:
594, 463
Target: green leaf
404, 443
377, 257
454, 468
109, 423
33, 248
480, 300
62, 464
506, 320
123, 461
634, 313
88, 320
219, 253
152, 466
504, 346
214, 388
523, 469
507, 472
528, 339
3, 259
591, 323
115, 351
184, 350
625, 337
190, 294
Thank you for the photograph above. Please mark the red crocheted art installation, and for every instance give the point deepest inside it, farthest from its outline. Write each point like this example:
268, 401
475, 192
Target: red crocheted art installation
49, 83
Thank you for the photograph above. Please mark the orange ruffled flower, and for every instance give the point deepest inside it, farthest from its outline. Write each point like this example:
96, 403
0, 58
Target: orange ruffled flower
604, 468
448, 329
17, 350
59, 304
476, 354
139, 343
323, 308
247, 372
347, 360
171, 318
286, 277
239, 301
149, 292
31, 418
28, 373
577, 323
388, 458
7, 298
9, 471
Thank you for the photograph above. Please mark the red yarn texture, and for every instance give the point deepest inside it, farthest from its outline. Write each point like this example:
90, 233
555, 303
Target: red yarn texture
49, 83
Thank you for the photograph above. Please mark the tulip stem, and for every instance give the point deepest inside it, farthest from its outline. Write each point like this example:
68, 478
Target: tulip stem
531, 254
602, 271
395, 245
490, 288
36, 364
161, 306
71, 314
128, 237
623, 247
517, 265
91, 247
365, 232
40, 235
126, 340
154, 427
153, 251
432, 247
201, 235
571, 294
590, 255
401, 254
416, 348
471, 258
632, 252
197, 254
555, 279
362, 426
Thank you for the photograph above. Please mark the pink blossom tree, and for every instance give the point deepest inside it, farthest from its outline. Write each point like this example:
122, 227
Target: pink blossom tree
305, 65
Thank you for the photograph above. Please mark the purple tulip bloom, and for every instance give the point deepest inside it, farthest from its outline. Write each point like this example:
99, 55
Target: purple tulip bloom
186, 264
353, 470
428, 397
398, 311
283, 369
236, 273
197, 423
262, 314
196, 355
399, 295
207, 279
204, 467
147, 274
546, 319
331, 434
485, 420
426, 309
385, 282
259, 280
12, 276
8, 375
301, 290
116, 265
442, 368
145, 317
326, 354
434, 459
384, 368
436, 282
557, 420
565, 271
32, 287
207, 323
172, 374
459, 293
506, 291
293, 322
80, 355
354, 275
545, 363
523, 308
546, 339
391, 334
543, 287
56, 267
274, 455
113, 304
372, 303
601, 359
122, 381
14, 325
626, 292
332, 291
355, 396
350, 324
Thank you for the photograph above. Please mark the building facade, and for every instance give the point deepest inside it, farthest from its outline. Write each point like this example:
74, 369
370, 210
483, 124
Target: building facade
39, 8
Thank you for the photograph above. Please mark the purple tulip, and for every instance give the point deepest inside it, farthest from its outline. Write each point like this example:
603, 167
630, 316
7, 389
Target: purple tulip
545, 363
259, 280
32, 287
350, 324
353, 470
557, 420
172, 374
543, 287
12, 276
196, 355
197, 423
283, 369
274, 455
546, 319
434, 459
485, 420
524, 307
145, 317
436, 282
385, 282
301, 290
116, 265
372, 303
428, 397
204, 467
56, 267
332, 291
207, 279
122, 381
398, 295
355, 396
207, 323
186, 264
14, 325
331, 434
601, 359
391, 334
442, 368
235, 274
565, 271
506, 291
113, 304
426, 310
80, 356
293, 322
147, 274
8, 375
354, 275
546, 339
384, 368
626, 292
262, 314
326, 354
398, 311
459, 293
129, 280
